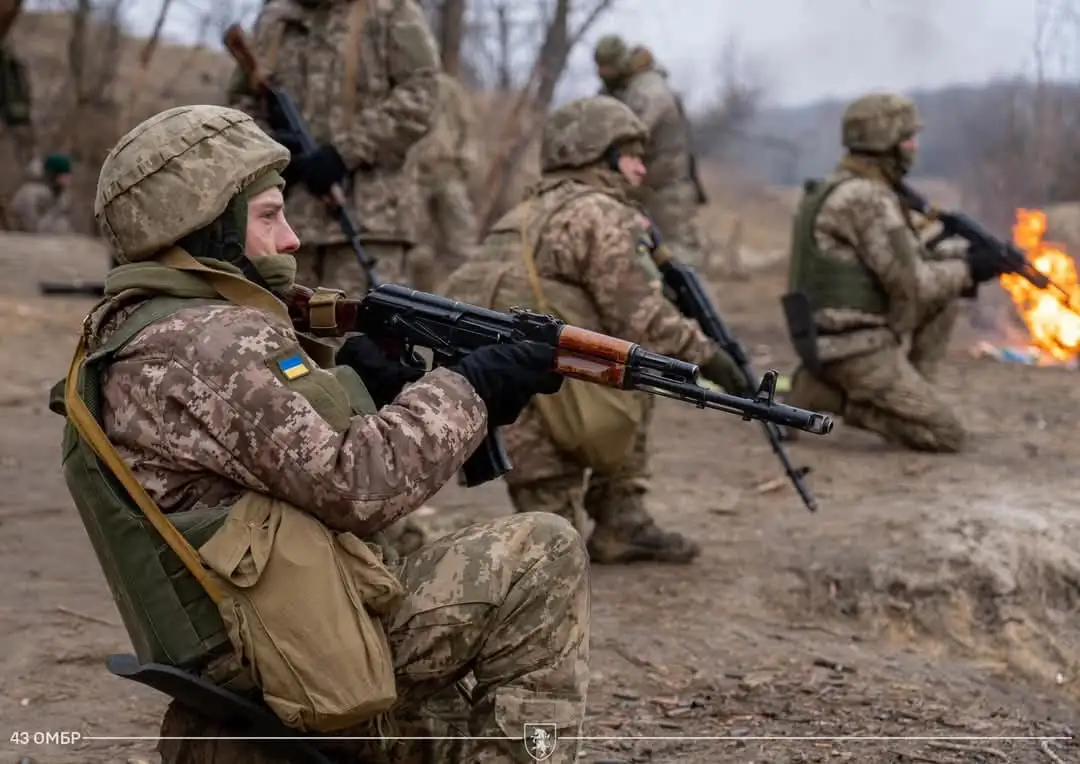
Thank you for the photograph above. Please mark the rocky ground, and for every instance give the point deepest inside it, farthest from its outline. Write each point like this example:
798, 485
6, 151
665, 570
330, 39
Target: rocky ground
928, 609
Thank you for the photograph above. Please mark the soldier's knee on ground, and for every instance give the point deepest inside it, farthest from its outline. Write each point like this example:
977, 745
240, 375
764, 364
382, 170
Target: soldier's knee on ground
944, 434
562, 496
809, 392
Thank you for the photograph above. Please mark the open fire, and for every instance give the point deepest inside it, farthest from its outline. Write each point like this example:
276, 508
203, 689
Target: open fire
1054, 329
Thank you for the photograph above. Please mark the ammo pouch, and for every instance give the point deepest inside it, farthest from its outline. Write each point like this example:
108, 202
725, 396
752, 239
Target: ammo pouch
593, 424
799, 315
300, 606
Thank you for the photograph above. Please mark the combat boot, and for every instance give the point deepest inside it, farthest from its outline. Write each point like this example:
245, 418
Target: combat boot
615, 545
809, 392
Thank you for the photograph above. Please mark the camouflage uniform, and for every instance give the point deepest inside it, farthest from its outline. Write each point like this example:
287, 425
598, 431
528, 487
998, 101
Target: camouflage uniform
41, 205
443, 160
198, 410
588, 252
669, 194
363, 76
883, 306
16, 127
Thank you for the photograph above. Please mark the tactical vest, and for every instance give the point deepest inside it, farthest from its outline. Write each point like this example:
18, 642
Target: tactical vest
828, 283
169, 617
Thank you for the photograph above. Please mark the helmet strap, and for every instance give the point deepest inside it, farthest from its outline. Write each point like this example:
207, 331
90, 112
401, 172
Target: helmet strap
223, 240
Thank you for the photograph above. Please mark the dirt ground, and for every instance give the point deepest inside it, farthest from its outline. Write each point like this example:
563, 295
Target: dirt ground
931, 597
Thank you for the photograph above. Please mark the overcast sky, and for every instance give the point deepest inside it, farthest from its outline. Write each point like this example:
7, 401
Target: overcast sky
810, 49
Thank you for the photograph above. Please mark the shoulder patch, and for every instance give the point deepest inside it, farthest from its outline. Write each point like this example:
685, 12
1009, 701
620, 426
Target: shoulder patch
293, 367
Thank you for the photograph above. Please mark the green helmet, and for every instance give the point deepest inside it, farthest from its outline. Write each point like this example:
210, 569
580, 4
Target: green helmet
878, 121
611, 50
578, 133
176, 173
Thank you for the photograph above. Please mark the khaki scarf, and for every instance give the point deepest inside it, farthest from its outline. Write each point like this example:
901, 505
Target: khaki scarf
279, 271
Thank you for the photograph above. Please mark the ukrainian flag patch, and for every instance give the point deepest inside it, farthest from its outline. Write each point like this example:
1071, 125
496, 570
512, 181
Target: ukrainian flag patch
293, 367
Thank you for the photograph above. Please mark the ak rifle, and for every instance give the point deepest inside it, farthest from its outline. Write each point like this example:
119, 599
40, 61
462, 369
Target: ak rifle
401, 320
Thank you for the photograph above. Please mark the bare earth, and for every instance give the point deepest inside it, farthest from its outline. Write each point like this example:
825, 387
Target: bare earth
931, 596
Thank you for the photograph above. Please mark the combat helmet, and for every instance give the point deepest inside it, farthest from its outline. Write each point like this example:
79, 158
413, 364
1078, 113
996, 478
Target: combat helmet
580, 133
878, 121
611, 50
176, 173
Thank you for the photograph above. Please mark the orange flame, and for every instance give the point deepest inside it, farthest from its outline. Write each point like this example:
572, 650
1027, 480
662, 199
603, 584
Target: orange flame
1054, 328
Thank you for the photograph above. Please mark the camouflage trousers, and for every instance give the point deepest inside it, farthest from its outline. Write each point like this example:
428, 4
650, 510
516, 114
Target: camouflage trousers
545, 479
448, 231
508, 602
673, 210
891, 391
335, 266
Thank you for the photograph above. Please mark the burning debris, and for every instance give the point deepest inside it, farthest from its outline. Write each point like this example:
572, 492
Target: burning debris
1054, 328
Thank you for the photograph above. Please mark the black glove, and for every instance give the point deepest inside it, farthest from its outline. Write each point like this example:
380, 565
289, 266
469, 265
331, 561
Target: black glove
383, 377
506, 377
985, 264
722, 370
319, 170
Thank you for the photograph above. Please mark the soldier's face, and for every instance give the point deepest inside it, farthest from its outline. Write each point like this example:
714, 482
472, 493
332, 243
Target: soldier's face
607, 73
633, 169
268, 232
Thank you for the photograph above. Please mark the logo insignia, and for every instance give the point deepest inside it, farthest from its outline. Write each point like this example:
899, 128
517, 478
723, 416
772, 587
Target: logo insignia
293, 367
540, 740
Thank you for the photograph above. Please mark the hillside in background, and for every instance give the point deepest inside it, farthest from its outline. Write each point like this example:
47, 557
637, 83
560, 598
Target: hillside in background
786, 145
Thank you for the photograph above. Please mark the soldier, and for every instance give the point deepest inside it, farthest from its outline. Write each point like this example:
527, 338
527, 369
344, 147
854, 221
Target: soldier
16, 125
43, 203
578, 247
879, 308
444, 159
364, 76
212, 403
672, 190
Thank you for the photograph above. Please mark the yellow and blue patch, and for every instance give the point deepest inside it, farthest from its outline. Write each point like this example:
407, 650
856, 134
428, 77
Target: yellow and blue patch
293, 367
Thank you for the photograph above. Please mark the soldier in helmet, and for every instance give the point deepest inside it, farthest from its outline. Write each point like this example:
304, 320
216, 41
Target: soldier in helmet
216, 408
363, 75
874, 309
672, 190
576, 246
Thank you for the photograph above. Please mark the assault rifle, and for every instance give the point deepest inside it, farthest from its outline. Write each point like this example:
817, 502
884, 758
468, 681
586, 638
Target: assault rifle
87, 288
959, 224
286, 120
693, 302
400, 319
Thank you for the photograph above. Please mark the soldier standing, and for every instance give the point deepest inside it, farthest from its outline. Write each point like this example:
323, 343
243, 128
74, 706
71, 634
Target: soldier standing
879, 308
444, 159
672, 190
578, 247
216, 409
363, 74
16, 105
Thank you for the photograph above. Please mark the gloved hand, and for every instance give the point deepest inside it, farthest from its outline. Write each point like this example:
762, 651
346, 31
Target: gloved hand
384, 377
985, 264
320, 170
506, 377
722, 370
